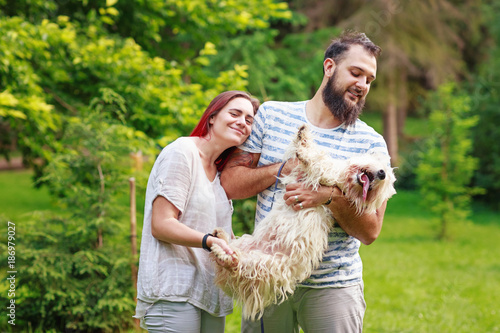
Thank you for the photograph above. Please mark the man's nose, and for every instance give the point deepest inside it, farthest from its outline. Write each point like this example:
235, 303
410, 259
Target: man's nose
361, 84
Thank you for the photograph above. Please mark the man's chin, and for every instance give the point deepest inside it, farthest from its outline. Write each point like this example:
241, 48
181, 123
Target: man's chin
351, 99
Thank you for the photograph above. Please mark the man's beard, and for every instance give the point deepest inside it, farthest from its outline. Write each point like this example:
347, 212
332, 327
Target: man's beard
334, 99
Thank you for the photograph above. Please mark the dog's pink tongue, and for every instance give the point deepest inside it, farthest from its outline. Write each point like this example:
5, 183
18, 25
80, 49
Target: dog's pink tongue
366, 184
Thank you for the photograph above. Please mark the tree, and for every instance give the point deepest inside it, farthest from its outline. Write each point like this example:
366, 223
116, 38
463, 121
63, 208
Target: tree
75, 274
424, 43
420, 40
290, 69
83, 83
484, 91
446, 166
57, 55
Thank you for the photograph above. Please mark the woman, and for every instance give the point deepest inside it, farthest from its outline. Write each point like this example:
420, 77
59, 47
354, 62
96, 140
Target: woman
184, 203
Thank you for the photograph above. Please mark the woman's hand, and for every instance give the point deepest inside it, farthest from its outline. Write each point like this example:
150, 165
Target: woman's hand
211, 240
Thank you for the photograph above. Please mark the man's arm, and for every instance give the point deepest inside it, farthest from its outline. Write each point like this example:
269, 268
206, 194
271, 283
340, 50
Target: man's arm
241, 178
364, 227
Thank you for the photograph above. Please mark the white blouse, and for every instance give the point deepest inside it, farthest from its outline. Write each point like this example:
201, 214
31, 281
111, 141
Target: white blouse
173, 272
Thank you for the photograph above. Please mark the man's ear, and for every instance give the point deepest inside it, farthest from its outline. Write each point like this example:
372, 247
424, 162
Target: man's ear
329, 66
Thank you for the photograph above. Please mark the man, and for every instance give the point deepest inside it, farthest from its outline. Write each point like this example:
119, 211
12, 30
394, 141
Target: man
331, 300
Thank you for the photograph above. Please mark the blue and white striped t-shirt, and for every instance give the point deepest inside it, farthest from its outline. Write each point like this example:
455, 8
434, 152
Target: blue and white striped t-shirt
274, 127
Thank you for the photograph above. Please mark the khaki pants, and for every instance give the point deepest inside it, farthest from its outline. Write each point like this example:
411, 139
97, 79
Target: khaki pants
327, 310
176, 317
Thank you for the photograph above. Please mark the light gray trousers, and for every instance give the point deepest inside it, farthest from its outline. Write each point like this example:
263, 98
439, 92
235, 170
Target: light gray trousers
176, 317
328, 310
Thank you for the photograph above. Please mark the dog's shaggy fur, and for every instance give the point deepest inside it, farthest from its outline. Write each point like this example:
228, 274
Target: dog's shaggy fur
288, 245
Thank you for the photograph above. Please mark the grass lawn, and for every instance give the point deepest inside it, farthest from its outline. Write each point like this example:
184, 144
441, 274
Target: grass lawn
18, 196
413, 282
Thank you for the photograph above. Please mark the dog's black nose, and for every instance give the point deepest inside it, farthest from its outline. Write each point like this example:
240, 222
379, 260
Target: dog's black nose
381, 174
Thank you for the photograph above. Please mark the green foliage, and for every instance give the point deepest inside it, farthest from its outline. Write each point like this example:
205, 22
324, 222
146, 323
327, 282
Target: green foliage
485, 93
446, 167
56, 56
92, 160
84, 83
49, 72
173, 27
288, 70
64, 283
23, 107
243, 216
75, 275
180, 28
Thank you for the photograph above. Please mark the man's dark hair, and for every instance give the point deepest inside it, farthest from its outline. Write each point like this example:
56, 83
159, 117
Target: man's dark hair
339, 46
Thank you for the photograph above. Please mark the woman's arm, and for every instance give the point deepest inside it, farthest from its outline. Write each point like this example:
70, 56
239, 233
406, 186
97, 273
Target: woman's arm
166, 227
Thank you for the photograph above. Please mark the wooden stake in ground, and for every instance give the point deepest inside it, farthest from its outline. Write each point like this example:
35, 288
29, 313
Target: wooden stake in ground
133, 239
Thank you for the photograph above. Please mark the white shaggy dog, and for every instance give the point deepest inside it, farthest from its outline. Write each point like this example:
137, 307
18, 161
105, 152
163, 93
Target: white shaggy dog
288, 245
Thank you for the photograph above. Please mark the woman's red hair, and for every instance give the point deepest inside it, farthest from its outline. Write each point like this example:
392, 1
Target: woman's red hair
219, 102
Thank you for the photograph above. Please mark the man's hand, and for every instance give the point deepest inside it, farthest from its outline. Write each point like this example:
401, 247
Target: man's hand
364, 227
297, 194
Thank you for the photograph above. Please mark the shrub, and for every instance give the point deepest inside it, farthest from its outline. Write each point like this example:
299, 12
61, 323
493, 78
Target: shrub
446, 166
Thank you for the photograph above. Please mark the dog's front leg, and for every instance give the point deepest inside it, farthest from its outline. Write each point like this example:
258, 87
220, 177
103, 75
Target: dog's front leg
219, 253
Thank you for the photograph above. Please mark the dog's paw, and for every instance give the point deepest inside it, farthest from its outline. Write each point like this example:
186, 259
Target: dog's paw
220, 233
222, 257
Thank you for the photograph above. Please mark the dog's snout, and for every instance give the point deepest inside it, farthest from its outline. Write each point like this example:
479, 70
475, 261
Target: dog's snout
381, 174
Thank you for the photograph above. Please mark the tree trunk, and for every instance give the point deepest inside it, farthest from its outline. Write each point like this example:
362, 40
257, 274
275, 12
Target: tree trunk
402, 109
444, 227
101, 201
390, 120
391, 132
133, 241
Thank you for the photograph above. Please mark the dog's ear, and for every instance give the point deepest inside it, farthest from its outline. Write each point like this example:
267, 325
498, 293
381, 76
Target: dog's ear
300, 133
381, 157
302, 141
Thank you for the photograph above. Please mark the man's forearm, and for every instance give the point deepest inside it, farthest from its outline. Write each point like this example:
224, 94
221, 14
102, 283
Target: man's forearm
364, 227
242, 182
